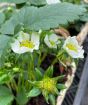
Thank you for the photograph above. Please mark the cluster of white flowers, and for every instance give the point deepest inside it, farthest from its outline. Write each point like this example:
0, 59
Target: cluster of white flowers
28, 43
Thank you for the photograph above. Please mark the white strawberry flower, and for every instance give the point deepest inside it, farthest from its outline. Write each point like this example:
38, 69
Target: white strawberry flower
73, 48
51, 40
26, 43
53, 1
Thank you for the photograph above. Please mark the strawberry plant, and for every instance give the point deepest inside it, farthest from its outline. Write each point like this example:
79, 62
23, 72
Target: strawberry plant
27, 37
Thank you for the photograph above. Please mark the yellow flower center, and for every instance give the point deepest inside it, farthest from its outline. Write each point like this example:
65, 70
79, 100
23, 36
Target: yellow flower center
47, 84
72, 47
52, 43
27, 43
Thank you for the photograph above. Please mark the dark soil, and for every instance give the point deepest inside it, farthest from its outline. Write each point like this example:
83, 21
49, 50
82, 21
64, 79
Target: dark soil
37, 101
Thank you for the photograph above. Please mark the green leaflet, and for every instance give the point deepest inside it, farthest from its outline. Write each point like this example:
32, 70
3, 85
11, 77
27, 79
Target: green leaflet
6, 96
45, 94
52, 99
34, 2
22, 98
45, 18
72, 1
14, 1
4, 45
84, 17
34, 92
5, 78
49, 72
38, 74
61, 86
38, 2
2, 17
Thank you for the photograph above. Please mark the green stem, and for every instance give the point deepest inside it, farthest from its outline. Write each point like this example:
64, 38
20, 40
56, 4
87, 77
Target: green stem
19, 81
44, 56
54, 61
60, 53
57, 57
31, 68
9, 86
14, 85
41, 58
31, 75
21, 75
22, 71
17, 59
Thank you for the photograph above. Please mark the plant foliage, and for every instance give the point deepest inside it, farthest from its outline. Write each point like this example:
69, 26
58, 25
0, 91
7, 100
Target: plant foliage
30, 51
50, 16
2, 18
84, 17
14, 1
4, 42
6, 96
34, 2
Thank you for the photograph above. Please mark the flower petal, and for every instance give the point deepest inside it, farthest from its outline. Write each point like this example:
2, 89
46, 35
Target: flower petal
25, 49
53, 37
35, 38
15, 46
46, 40
23, 36
52, 1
